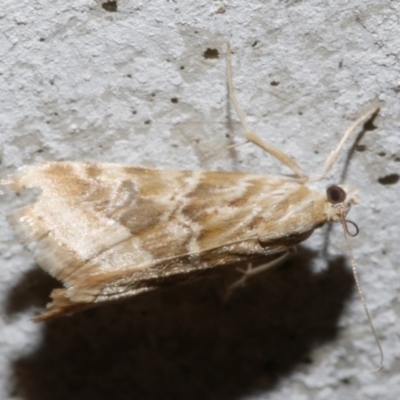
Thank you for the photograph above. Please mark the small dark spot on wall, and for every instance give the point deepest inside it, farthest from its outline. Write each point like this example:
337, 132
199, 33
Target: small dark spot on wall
110, 6
300, 112
51, 82
227, 135
174, 100
397, 159
340, 64
381, 154
390, 179
42, 39
147, 122
274, 83
211, 54
134, 112
396, 89
129, 76
182, 67
369, 126
346, 381
361, 147
255, 44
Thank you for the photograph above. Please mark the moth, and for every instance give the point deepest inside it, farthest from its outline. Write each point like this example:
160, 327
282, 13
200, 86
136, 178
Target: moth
111, 231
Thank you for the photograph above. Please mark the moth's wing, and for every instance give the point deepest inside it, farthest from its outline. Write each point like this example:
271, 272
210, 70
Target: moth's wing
109, 231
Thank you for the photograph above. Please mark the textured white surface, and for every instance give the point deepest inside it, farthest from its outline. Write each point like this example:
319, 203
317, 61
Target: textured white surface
78, 82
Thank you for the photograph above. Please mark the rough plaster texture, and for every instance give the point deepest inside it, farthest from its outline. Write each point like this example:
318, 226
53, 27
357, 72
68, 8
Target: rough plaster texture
138, 86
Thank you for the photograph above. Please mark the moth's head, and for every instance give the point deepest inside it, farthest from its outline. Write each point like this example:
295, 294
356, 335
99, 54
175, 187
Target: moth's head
340, 198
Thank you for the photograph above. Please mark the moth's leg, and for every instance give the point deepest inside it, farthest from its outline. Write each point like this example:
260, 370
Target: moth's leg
251, 136
333, 155
250, 271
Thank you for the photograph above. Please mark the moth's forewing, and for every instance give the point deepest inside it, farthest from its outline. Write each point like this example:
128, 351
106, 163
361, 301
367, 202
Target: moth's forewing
109, 231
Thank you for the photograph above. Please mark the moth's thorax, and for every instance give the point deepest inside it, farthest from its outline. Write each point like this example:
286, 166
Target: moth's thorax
294, 210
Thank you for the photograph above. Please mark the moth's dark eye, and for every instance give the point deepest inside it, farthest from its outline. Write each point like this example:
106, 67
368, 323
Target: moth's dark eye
335, 194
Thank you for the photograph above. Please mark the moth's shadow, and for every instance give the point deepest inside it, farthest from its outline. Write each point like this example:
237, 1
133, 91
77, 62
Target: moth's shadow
184, 343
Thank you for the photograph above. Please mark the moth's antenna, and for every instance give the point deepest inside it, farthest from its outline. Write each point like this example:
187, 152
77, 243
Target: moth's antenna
335, 153
360, 292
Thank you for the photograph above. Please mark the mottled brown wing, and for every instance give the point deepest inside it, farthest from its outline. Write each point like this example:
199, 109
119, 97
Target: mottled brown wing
109, 231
